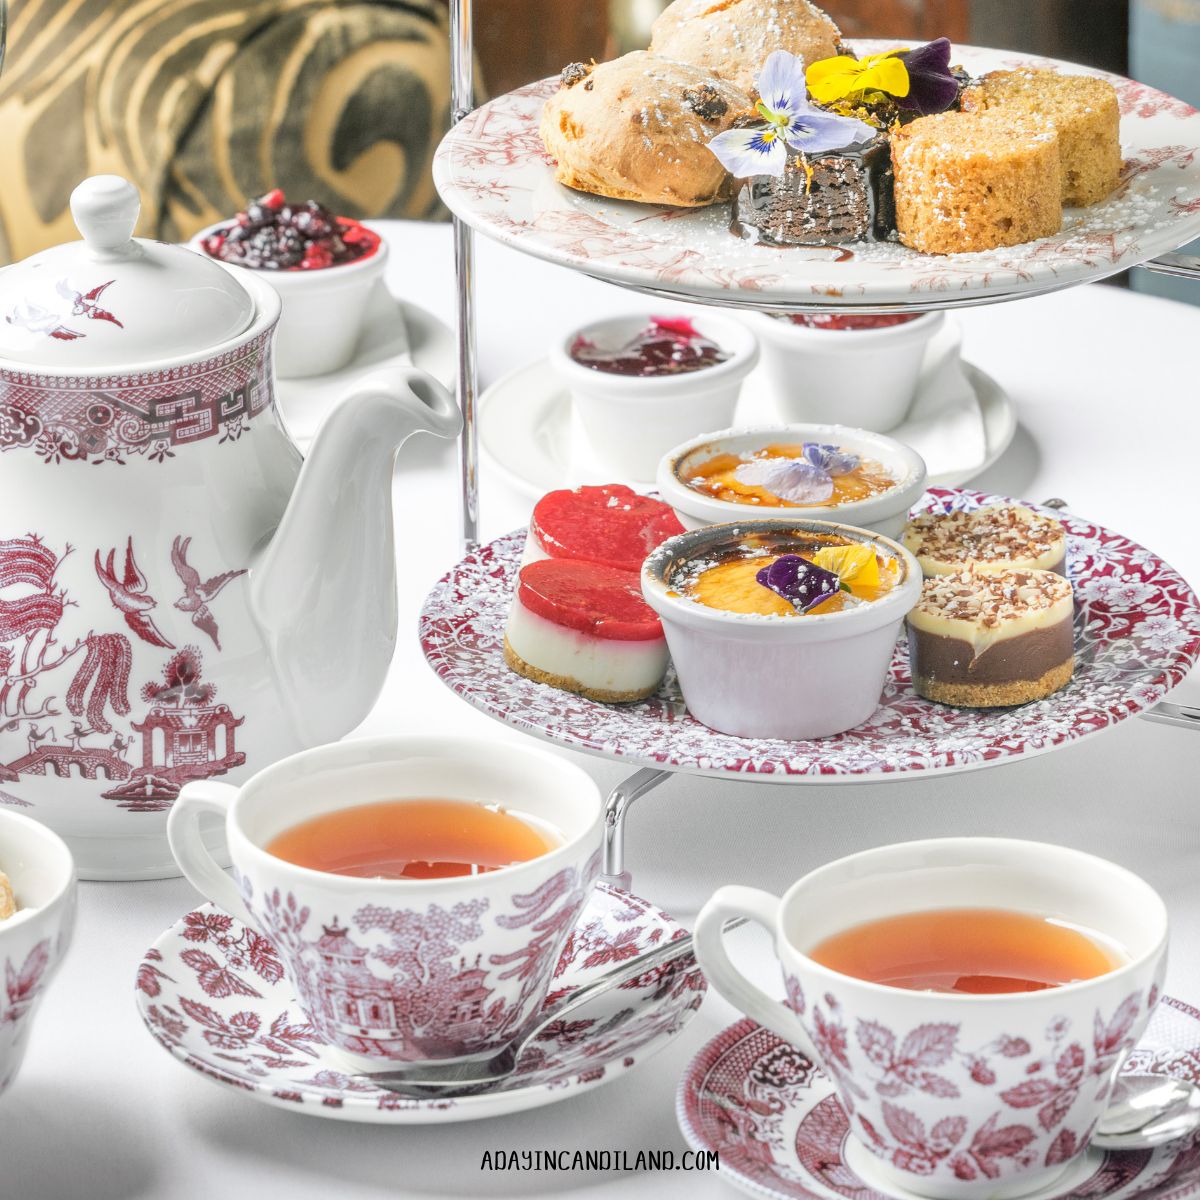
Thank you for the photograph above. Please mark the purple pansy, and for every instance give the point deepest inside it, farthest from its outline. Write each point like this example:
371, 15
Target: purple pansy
801, 583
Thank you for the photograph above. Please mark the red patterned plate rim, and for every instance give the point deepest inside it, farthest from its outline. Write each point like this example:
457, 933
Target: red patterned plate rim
220, 1033
1137, 634
492, 171
1150, 1056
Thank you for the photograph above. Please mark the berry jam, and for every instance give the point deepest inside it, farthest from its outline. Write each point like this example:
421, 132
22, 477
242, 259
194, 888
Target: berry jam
273, 235
850, 321
667, 346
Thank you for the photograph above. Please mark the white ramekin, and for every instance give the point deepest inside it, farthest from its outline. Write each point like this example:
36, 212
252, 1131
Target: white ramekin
885, 513
861, 377
793, 678
32, 942
632, 421
324, 309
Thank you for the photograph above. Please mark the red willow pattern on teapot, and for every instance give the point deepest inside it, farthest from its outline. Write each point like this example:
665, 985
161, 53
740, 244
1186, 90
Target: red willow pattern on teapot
62, 702
151, 414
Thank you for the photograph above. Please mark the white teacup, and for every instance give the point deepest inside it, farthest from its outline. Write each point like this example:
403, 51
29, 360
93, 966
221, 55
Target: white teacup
404, 970
32, 943
954, 1095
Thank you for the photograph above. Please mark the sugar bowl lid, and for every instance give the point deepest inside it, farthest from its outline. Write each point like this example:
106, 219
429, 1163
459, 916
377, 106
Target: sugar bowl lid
113, 300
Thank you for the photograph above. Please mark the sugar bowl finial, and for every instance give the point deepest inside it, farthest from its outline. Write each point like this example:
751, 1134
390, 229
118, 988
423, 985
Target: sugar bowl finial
106, 208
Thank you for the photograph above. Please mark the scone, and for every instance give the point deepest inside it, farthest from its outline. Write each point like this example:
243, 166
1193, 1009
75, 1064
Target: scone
732, 38
999, 537
975, 181
1083, 111
8, 902
638, 128
984, 640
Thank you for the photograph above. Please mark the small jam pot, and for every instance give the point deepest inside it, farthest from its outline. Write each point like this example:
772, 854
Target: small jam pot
832, 374
324, 308
790, 677
884, 512
632, 420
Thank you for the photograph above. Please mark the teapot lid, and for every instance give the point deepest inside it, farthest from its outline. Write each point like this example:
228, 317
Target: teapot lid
112, 300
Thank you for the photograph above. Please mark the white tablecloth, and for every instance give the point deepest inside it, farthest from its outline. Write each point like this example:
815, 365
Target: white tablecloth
1105, 384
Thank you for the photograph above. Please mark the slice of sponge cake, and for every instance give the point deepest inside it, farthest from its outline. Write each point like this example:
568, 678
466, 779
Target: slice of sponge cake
1084, 112
975, 181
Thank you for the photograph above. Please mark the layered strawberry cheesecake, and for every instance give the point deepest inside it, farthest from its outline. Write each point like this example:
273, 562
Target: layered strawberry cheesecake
584, 627
611, 524
1002, 537
988, 638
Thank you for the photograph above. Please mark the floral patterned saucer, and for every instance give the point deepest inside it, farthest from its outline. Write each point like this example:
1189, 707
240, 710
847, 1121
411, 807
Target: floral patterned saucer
1137, 633
213, 993
782, 1133
493, 172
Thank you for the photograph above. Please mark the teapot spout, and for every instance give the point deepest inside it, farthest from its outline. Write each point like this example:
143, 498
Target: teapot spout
324, 589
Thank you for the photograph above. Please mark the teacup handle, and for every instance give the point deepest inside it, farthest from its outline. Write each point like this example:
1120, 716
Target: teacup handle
203, 872
763, 908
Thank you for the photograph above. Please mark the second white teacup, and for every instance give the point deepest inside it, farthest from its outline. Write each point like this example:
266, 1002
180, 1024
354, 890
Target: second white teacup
952, 1095
404, 970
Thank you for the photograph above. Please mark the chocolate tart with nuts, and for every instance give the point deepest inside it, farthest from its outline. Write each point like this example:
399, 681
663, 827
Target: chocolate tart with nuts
988, 639
1000, 537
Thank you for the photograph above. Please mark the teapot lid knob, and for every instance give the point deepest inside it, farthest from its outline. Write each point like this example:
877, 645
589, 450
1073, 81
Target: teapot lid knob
106, 208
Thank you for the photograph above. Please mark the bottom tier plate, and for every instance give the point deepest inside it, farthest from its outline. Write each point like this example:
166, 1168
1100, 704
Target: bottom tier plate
1137, 633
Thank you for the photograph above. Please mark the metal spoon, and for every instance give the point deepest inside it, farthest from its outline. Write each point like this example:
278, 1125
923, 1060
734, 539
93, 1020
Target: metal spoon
1147, 1110
425, 1078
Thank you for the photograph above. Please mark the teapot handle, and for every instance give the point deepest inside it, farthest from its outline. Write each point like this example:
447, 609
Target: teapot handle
187, 845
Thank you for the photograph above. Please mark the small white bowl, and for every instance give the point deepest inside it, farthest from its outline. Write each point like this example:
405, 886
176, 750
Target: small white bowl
32, 943
758, 676
885, 513
861, 377
324, 309
631, 421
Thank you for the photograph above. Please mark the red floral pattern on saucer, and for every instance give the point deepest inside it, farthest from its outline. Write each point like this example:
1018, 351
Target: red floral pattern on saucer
212, 992
1137, 633
782, 1132
492, 170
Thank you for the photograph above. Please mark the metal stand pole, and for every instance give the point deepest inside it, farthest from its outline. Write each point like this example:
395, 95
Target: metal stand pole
615, 808
462, 101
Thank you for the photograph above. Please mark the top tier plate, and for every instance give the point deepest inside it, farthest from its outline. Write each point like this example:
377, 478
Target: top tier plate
493, 173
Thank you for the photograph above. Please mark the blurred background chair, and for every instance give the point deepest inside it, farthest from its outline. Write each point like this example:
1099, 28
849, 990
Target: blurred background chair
203, 103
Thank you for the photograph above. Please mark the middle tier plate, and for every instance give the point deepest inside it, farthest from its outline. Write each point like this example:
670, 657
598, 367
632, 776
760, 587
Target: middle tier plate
1137, 633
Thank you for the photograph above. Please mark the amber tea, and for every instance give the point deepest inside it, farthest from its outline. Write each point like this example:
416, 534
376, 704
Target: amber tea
968, 950
413, 839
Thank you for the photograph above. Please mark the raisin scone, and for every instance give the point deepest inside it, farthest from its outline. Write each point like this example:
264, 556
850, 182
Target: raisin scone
638, 128
732, 38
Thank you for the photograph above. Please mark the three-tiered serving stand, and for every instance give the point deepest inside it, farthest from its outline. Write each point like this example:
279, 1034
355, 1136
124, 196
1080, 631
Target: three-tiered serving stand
648, 777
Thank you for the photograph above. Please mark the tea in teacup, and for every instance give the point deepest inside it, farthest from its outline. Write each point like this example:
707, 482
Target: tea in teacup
975, 951
414, 839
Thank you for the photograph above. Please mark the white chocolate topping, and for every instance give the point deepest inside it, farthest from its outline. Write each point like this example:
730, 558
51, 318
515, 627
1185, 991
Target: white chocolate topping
984, 607
997, 538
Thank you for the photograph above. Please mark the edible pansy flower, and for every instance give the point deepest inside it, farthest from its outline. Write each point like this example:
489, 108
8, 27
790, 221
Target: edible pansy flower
852, 564
787, 119
919, 79
795, 480
831, 459
801, 583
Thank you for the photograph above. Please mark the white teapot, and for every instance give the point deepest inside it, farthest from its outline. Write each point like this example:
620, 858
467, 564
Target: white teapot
181, 594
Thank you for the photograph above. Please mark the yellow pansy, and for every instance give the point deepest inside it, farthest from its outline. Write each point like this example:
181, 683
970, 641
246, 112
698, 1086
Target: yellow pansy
833, 79
852, 564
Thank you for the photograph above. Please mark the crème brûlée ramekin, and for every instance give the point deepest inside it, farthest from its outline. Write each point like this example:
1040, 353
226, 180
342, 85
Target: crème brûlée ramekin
884, 512
794, 677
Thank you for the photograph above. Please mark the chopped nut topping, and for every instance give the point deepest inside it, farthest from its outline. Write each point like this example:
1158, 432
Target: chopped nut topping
997, 534
990, 599
705, 101
572, 73
8, 902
